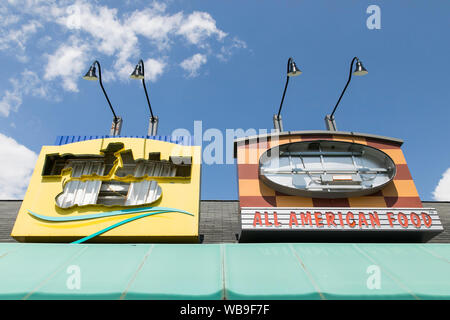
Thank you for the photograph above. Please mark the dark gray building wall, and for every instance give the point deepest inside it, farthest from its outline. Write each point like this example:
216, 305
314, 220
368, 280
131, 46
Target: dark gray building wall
8, 213
219, 220
443, 208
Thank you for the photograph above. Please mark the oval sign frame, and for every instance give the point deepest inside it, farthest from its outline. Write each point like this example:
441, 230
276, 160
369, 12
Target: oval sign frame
390, 168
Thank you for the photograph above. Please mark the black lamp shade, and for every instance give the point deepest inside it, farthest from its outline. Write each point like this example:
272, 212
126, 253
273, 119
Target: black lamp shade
293, 70
91, 75
360, 70
137, 73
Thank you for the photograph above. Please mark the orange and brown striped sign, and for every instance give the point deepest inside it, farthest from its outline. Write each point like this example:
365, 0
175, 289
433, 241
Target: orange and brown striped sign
401, 192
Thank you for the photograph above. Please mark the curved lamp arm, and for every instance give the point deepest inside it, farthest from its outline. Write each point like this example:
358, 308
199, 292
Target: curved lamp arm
285, 87
345, 88
104, 92
141, 62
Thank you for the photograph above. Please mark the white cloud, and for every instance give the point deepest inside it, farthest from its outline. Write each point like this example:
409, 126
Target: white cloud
108, 75
11, 101
7, 18
27, 84
192, 64
110, 35
15, 39
153, 69
155, 26
113, 36
226, 51
45, 9
198, 26
442, 190
67, 63
16, 166
90, 29
119, 36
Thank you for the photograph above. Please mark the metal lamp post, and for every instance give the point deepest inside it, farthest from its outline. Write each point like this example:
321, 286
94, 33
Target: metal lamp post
91, 75
292, 71
139, 74
360, 71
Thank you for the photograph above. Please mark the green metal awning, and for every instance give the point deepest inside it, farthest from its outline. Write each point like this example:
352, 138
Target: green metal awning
224, 271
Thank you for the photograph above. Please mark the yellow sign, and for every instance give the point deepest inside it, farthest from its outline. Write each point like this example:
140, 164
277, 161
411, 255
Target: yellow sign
112, 190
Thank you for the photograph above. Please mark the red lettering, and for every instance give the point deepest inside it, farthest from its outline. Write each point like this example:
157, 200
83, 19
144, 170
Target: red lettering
415, 219
427, 221
403, 220
362, 220
330, 218
267, 223
350, 216
257, 219
391, 218
318, 219
275, 219
340, 219
306, 218
374, 219
293, 219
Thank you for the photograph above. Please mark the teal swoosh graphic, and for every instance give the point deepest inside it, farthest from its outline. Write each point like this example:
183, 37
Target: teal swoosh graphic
104, 214
123, 222
148, 211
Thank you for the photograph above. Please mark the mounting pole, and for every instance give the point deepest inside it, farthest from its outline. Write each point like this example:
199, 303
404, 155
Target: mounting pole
153, 126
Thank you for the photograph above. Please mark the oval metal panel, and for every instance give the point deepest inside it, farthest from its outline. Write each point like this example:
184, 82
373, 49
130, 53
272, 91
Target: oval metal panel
326, 169
108, 193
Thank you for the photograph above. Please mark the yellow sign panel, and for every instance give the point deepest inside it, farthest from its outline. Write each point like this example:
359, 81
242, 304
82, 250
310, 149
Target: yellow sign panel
112, 190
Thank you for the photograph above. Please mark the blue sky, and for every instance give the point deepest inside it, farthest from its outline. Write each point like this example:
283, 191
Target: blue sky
223, 62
